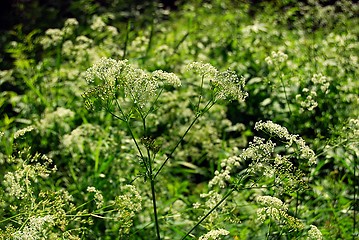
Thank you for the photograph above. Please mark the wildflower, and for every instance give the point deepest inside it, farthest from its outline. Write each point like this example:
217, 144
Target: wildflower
18, 183
314, 233
203, 69
354, 128
276, 58
271, 202
225, 85
136, 85
196, 205
308, 103
282, 133
35, 228
214, 234
228, 86
272, 129
322, 81
22, 132
107, 70
58, 116
97, 24
67, 48
223, 176
168, 78
97, 197
53, 37
127, 204
69, 26
83, 42
275, 209
112, 30
71, 22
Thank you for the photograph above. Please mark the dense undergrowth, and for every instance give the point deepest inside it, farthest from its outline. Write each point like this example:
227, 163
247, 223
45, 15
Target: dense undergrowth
217, 120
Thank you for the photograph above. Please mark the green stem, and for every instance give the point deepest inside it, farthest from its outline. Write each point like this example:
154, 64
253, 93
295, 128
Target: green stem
285, 94
178, 143
152, 180
354, 202
205, 216
126, 39
200, 96
128, 126
155, 208
198, 115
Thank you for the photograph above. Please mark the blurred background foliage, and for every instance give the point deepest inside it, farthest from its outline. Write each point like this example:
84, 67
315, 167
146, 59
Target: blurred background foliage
41, 86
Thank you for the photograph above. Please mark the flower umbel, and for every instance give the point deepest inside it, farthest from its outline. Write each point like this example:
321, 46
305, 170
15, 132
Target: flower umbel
224, 85
214, 234
119, 79
275, 209
314, 233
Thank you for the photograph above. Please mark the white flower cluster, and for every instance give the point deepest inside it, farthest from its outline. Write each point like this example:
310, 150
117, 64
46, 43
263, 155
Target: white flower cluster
212, 199
55, 36
203, 69
34, 228
314, 233
322, 81
276, 58
18, 183
140, 44
259, 153
225, 85
22, 131
277, 211
98, 197
168, 78
69, 26
75, 141
263, 159
137, 86
127, 205
97, 24
271, 202
221, 177
228, 86
354, 128
78, 50
259, 150
214, 234
307, 99
58, 116
275, 130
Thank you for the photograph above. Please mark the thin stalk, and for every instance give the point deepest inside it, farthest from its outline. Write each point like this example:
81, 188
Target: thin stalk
268, 232
175, 49
200, 96
128, 126
152, 180
155, 208
29, 83
149, 41
178, 143
296, 204
154, 103
285, 94
128, 29
354, 203
205, 216
198, 115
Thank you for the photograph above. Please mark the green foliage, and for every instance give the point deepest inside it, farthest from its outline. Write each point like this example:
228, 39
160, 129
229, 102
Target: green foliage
214, 121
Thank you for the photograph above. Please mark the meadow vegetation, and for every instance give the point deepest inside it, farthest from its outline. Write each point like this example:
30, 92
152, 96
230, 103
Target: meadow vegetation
212, 120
